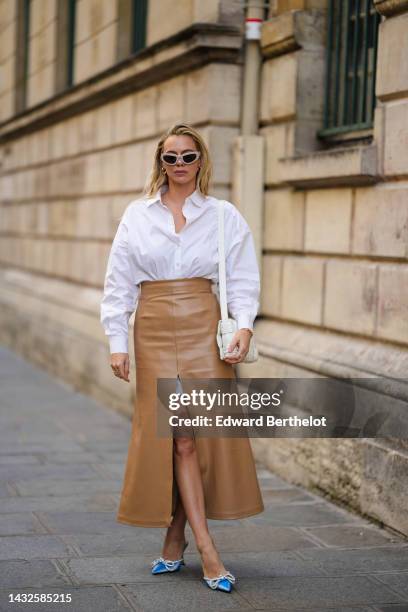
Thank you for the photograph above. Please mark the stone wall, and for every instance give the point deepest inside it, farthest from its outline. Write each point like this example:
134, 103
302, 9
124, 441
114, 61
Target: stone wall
335, 290
72, 163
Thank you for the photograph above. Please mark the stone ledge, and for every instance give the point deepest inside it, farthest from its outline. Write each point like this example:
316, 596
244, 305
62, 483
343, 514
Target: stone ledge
191, 48
56, 325
355, 165
391, 7
291, 31
68, 303
329, 354
365, 474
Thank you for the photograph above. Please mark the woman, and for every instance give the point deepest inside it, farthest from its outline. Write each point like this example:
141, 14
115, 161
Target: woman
164, 264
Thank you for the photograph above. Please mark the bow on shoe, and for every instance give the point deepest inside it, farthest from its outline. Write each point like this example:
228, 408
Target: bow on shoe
167, 563
214, 582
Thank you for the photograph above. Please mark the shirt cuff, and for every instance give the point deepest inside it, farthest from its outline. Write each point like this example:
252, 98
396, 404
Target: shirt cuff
245, 320
118, 344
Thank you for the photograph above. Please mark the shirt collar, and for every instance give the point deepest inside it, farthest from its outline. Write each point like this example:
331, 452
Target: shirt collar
196, 197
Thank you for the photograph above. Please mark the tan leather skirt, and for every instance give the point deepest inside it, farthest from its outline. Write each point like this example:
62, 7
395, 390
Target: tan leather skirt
174, 335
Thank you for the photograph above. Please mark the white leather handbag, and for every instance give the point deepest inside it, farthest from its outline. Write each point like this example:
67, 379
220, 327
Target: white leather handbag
226, 325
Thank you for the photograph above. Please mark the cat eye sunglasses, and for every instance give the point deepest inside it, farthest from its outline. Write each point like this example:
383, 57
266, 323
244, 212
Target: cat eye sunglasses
186, 158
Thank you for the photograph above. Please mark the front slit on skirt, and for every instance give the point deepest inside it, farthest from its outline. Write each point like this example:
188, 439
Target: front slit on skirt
175, 337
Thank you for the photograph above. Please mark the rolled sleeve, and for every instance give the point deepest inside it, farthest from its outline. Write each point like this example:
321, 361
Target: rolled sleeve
242, 272
120, 293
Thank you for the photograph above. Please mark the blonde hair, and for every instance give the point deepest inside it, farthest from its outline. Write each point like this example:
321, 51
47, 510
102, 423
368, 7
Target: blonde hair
158, 178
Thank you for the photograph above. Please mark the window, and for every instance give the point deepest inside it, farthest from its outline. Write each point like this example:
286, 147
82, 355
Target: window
132, 20
352, 33
26, 12
139, 19
22, 51
65, 45
70, 41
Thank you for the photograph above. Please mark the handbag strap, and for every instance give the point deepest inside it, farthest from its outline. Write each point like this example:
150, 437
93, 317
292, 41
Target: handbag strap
221, 262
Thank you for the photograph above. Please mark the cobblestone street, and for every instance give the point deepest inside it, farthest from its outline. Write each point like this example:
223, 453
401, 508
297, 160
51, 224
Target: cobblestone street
61, 467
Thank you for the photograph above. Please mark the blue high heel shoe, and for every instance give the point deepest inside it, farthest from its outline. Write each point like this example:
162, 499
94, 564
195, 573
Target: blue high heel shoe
161, 565
223, 582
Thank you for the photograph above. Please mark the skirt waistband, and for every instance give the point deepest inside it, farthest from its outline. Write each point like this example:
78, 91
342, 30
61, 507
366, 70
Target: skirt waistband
176, 285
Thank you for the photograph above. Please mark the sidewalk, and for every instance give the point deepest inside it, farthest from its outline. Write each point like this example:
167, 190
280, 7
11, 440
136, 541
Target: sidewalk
61, 466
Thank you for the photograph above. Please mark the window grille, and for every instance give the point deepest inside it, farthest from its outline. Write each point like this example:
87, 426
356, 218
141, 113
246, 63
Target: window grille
139, 25
352, 34
71, 41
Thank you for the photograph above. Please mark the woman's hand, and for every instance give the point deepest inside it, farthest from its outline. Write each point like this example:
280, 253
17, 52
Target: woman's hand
239, 341
120, 365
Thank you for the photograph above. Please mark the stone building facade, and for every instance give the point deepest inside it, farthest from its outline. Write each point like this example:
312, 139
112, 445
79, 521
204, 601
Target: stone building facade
86, 89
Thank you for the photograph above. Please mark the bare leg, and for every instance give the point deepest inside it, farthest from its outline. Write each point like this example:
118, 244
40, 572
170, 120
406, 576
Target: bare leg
190, 485
174, 542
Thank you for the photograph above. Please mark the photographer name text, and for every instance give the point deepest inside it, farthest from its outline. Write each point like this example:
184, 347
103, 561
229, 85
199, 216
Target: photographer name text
261, 420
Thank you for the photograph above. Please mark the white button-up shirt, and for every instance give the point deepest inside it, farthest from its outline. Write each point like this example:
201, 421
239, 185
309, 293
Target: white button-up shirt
147, 247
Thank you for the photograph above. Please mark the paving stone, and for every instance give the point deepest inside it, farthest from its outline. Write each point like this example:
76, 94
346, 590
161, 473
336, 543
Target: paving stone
90, 411
113, 456
23, 574
27, 426
29, 447
366, 561
217, 523
105, 445
350, 535
5, 490
83, 522
78, 471
184, 595
294, 593
398, 582
114, 470
324, 609
393, 608
273, 482
92, 502
143, 541
84, 599
82, 414
34, 394
279, 496
119, 570
65, 487
14, 364
303, 515
22, 523
40, 439
102, 432
33, 547
56, 458
266, 564
19, 459
258, 538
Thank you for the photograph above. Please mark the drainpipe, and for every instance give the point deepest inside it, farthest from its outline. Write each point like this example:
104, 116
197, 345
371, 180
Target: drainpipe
252, 67
248, 147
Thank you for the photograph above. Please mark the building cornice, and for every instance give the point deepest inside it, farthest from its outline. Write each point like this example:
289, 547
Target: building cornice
196, 46
391, 7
